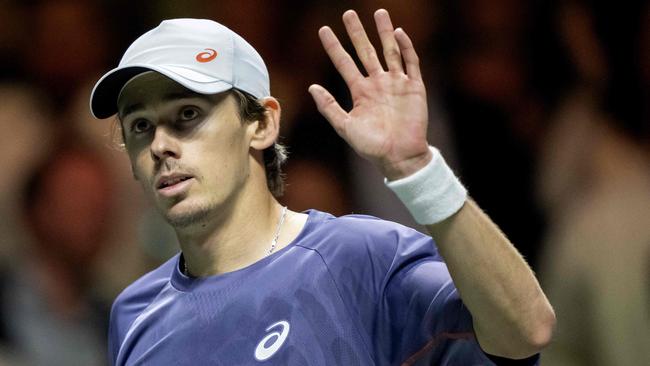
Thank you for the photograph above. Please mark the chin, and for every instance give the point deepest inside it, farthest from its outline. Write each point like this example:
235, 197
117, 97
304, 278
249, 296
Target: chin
183, 215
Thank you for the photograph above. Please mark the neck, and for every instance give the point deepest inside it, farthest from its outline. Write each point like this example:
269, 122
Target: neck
239, 235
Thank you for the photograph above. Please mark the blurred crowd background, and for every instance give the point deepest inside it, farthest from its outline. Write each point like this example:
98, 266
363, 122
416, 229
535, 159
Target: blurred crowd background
541, 107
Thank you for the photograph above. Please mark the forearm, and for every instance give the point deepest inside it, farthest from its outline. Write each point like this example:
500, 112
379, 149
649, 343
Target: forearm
512, 317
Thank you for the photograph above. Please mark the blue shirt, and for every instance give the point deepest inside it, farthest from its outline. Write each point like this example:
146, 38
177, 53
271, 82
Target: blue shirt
352, 290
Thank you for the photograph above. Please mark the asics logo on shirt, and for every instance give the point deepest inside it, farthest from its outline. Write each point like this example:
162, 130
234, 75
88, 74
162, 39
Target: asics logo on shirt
272, 342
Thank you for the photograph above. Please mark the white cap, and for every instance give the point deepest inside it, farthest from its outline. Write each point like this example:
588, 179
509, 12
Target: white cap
202, 55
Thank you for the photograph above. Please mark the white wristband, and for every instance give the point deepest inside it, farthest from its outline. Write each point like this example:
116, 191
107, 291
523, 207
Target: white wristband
431, 194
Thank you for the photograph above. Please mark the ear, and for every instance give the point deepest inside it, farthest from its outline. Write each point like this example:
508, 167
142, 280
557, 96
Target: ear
267, 130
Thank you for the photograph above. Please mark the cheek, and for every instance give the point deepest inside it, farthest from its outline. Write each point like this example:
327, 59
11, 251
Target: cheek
224, 158
140, 166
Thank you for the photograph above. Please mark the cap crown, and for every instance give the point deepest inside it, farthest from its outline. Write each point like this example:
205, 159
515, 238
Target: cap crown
200, 54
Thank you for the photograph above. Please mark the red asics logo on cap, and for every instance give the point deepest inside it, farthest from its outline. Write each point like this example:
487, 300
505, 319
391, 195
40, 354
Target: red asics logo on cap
206, 56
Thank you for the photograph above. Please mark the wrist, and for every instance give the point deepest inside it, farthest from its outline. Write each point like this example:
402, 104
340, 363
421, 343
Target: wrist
432, 193
405, 168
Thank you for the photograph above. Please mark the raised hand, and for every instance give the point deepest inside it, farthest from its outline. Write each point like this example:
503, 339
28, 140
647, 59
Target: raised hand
388, 121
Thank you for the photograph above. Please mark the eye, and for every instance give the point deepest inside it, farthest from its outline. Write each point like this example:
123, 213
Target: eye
189, 113
140, 126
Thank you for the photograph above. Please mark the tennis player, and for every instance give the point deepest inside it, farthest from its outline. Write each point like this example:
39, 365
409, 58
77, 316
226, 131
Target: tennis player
258, 283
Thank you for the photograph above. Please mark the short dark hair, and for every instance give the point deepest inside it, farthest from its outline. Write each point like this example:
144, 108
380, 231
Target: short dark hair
274, 156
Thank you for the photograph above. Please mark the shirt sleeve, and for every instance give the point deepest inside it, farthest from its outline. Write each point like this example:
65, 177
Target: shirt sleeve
422, 319
400, 295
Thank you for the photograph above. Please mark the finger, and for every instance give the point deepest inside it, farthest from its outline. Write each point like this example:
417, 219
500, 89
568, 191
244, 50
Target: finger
411, 59
342, 61
388, 43
328, 107
361, 43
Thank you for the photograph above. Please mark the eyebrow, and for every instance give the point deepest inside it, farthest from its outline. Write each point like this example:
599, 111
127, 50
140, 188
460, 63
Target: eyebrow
130, 109
185, 94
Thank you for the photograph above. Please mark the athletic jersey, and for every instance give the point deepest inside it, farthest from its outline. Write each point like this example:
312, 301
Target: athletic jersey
352, 290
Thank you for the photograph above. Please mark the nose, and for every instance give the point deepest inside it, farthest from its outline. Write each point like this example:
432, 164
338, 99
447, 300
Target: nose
164, 145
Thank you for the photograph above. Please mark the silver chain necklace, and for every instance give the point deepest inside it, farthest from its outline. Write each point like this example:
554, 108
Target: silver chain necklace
274, 242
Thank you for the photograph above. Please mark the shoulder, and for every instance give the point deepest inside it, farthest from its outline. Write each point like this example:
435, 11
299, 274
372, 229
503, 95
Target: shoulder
138, 296
356, 228
146, 287
354, 240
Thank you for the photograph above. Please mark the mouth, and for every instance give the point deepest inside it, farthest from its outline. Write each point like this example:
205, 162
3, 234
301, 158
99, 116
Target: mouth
165, 182
172, 185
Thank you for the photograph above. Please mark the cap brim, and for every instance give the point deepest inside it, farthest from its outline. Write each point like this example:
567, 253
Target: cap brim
103, 99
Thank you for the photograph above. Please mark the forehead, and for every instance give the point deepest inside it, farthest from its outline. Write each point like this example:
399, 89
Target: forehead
152, 87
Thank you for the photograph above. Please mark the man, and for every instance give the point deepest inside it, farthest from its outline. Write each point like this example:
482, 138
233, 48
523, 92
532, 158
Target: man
255, 282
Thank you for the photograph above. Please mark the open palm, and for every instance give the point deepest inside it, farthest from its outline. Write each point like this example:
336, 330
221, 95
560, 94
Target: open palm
388, 121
